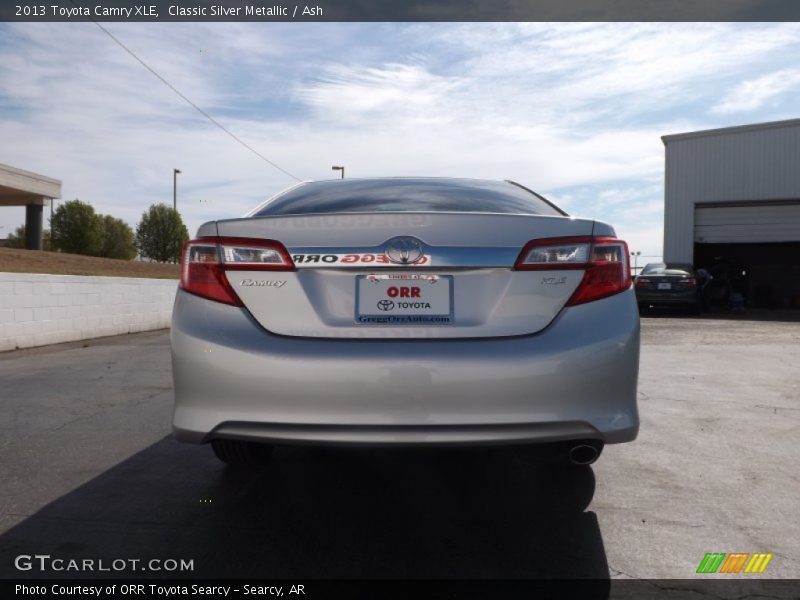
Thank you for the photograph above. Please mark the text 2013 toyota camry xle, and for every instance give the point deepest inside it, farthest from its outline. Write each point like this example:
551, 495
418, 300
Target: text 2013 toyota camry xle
405, 311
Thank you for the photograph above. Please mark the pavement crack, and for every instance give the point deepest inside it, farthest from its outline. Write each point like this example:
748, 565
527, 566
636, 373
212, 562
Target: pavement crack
618, 572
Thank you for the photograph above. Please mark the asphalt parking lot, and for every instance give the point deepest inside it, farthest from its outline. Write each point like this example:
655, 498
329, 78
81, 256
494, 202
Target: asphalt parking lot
88, 470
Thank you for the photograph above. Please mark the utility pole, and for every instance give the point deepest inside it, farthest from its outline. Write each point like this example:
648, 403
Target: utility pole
635, 256
175, 189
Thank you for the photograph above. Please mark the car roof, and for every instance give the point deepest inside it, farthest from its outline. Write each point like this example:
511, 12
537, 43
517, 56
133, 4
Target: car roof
408, 179
671, 265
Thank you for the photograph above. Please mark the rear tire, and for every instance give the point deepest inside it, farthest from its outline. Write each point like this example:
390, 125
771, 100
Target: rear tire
237, 453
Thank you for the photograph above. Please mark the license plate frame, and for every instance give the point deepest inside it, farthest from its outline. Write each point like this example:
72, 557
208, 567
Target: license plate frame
441, 313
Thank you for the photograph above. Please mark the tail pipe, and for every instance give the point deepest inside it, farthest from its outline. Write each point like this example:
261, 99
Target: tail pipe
583, 454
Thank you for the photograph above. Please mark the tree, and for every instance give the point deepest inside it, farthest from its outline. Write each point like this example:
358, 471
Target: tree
76, 228
17, 239
161, 234
117, 239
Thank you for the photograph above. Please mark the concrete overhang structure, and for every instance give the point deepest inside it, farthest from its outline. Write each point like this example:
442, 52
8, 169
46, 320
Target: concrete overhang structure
33, 191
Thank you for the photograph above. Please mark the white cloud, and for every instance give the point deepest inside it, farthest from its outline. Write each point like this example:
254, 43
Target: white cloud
647, 240
756, 93
357, 92
577, 73
572, 110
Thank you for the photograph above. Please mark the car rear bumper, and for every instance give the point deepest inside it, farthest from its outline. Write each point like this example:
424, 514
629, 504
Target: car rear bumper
654, 297
576, 379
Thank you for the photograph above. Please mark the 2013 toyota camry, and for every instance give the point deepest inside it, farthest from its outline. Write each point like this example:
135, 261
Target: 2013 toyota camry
405, 311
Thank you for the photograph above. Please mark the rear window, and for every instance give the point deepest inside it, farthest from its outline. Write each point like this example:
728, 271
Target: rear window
408, 195
662, 269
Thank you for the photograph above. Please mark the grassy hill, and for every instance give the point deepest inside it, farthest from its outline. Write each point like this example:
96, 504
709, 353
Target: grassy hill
59, 263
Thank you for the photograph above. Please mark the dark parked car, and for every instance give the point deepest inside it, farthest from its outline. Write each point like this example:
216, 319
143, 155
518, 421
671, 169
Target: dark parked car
671, 284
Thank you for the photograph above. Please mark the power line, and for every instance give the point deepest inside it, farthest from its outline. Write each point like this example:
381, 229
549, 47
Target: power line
193, 105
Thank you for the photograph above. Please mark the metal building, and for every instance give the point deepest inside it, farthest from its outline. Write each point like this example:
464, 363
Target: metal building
732, 203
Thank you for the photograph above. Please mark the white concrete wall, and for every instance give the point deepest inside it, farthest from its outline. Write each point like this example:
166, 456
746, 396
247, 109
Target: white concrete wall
36, 310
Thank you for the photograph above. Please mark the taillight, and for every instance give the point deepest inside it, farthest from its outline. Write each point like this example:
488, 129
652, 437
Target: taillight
205, 260
555, 253
689, 282
604, 261
642, 282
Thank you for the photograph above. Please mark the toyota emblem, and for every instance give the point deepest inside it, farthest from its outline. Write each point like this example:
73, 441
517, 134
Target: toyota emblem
385, 305
404, 250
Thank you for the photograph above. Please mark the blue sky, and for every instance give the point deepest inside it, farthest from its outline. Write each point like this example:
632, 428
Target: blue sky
574, 111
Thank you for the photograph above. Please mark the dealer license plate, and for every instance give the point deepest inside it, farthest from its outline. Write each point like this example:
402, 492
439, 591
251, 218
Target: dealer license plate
665, 286
404, 299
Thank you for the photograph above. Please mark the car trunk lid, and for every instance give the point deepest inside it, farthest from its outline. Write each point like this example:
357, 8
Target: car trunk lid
346, 283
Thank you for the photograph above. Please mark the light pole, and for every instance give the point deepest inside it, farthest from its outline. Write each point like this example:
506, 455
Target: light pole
175, 189
335, 168
635, 256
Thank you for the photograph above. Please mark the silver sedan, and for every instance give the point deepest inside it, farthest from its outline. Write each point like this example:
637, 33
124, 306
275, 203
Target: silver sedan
405, 311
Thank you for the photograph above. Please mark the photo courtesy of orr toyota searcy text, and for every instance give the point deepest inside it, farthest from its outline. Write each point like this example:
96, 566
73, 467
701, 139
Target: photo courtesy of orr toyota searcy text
155, 590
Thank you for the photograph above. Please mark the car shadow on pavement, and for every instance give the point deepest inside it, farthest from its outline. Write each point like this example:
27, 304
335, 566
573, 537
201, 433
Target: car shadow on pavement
325, 513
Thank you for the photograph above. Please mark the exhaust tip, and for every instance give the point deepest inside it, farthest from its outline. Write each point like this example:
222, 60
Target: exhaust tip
583, 454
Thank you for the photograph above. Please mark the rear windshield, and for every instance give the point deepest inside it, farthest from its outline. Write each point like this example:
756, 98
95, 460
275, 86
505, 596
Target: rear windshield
408, 195
662, 269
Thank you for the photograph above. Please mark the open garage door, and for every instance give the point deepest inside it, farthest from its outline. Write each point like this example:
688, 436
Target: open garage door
753, 249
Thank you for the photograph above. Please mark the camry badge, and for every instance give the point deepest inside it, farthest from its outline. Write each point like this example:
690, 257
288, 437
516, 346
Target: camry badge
404, 250
276, 283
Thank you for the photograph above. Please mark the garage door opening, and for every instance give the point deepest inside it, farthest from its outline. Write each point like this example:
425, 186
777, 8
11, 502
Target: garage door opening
766, 274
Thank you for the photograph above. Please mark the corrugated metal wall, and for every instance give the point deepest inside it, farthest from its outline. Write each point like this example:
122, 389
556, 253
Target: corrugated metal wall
759, 162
